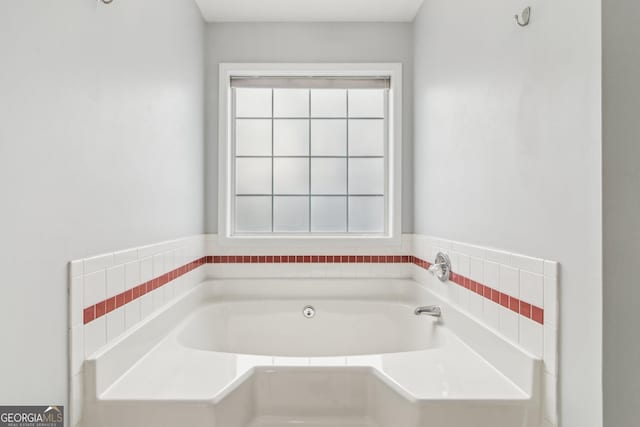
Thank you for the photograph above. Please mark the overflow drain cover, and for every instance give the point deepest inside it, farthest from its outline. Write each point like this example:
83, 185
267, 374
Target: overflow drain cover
308, 311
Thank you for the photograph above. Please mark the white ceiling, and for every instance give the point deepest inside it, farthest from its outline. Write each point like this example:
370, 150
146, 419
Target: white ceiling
309, 10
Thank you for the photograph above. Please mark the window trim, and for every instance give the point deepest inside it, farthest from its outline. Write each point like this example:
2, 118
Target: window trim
394, 146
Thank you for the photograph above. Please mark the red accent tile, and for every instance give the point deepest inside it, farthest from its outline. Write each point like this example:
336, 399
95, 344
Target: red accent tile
374, 259
322, 259
525, 309
351, 258
299, 259
262, 259
128, 296
495, 296
367, 259
487, 292
359, 259
307, 259
315, 258
504, 300
100, 309
120, 300
224, 259
514, 304
270, 259
479, 289
89, 314
405, 259
110, 305
537, 314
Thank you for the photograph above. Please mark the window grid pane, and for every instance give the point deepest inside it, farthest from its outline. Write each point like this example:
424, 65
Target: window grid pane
327, 165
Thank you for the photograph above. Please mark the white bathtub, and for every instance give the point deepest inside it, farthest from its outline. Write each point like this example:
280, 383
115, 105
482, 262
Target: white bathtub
239, 353
338, 328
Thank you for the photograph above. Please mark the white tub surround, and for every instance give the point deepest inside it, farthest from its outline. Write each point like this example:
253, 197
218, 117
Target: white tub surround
178, 373
203, 350
515, 296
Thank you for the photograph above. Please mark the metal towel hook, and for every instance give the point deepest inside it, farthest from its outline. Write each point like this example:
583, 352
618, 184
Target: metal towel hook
526, 17
107, 1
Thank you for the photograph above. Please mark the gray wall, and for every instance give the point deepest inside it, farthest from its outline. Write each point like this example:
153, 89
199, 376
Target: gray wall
308, 42
101, 148
508, 154
621, 211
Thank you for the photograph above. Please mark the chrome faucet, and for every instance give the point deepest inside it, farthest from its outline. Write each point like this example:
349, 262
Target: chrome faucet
429, 310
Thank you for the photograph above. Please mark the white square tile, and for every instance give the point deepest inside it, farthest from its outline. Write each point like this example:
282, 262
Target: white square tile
95, 287
132, 275
76, 354
76, 268
146, 269
551, 349
551, 296
100, 262
531, 336
169, 261
158, 265
123, 257
76, 301
115, 323
476, 269
115, 280
158, 298
509, 324
491, 314
532, 288
551, 269
476, 305
491, 274
501, 257
463, 298
146, 306
533, 265
509, 281
463, 265
131, 313
95, 335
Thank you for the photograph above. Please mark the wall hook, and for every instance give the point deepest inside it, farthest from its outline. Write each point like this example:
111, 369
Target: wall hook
107, 1
526, 16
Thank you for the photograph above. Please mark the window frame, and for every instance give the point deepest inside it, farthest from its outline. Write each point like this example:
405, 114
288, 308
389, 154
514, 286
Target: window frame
393, 207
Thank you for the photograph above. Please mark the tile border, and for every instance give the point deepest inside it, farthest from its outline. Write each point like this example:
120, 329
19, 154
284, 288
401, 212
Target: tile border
106, 306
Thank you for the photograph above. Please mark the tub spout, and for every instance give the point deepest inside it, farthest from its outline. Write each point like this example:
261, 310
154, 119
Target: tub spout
429, 310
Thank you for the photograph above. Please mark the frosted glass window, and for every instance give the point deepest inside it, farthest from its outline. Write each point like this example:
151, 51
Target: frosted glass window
309, 159
366, 176
366, 214
290, 214
253, 214
328, 137
290, 176
366, 137
328, 214
366, 103
329, 103
291, 103
291, 137
253, 176
328, 176
253, 102
253, 137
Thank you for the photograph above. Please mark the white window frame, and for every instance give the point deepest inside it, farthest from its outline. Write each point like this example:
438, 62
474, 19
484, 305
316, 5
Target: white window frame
394, 151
